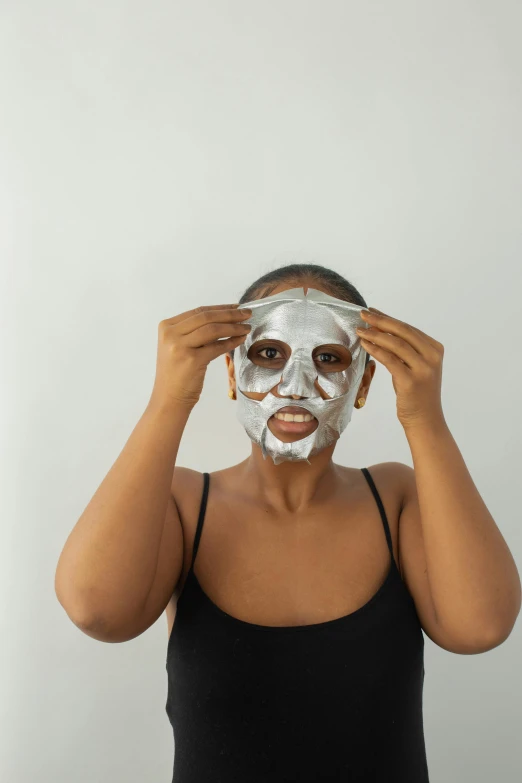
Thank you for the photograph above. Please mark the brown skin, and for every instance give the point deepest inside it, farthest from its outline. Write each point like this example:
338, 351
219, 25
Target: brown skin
268, 527
297, 543
308, 559
300, 543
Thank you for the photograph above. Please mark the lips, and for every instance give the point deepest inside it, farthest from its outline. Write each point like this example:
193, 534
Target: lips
295, 410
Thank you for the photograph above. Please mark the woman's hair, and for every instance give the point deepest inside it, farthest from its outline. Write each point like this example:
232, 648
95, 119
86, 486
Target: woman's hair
334, 283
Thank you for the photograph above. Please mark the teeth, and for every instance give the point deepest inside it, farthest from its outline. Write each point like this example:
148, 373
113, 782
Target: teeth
293, 417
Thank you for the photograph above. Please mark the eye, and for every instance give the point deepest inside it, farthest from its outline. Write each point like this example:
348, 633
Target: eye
327, 361
276, 353
271, 351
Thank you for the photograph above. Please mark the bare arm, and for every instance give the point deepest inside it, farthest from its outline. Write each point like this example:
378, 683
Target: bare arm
108, 566
474, 583
464, 577
108, 563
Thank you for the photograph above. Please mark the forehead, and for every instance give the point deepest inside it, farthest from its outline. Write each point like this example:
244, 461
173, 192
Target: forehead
294, 322
307, 319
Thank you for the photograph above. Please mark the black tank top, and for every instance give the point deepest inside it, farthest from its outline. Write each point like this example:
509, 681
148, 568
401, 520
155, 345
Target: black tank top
339, 700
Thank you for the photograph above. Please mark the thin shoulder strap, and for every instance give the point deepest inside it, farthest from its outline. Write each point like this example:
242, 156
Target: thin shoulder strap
202, 509
377, 497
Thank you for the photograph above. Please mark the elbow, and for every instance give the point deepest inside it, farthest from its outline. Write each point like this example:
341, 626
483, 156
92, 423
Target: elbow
498, 636
75, 611
100, 625
503, 630
76, 607
473, 641
91, 624
506, 617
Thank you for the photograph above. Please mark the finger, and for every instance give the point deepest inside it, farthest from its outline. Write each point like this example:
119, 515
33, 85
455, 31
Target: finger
188, 313
393, 345
390, 361
422, 343
220, 347
211, 332
435, 343
211, 316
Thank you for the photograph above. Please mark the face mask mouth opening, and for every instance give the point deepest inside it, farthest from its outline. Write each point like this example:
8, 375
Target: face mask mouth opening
289, 412
296, 427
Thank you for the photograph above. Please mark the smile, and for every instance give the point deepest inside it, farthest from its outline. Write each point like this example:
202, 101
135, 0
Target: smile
293, 416
294, 420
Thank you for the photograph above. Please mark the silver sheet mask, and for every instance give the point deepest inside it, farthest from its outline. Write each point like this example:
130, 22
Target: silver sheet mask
304, 322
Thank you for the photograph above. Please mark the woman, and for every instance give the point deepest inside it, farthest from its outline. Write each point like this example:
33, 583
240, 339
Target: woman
296, 647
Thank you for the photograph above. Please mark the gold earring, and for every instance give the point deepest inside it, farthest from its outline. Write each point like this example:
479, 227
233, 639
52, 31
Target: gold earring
231, 394
360, 402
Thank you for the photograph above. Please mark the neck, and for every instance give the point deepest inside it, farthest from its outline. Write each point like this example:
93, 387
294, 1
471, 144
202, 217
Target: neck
289, 486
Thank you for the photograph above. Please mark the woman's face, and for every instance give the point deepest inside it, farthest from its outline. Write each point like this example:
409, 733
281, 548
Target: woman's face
278, 353
313, 362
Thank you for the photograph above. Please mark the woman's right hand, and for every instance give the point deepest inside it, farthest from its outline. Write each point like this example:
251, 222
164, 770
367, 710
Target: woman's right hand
186, 345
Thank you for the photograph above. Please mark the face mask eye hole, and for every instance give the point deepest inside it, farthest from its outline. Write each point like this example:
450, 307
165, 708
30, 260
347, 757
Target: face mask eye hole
268, 354
332, 358
327, 358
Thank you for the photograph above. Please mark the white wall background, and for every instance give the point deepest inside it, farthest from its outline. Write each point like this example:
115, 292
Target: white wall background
160, 155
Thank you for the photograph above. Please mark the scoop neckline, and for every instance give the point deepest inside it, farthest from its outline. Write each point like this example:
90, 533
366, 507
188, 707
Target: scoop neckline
347, 618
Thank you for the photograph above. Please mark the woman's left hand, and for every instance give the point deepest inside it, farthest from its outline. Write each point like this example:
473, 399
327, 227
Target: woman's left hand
415, 362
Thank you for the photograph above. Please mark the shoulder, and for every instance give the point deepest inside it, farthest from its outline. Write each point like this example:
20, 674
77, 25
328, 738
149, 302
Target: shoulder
186, 490
184, 479
394, 475
395, 478
395, 482
392, 481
